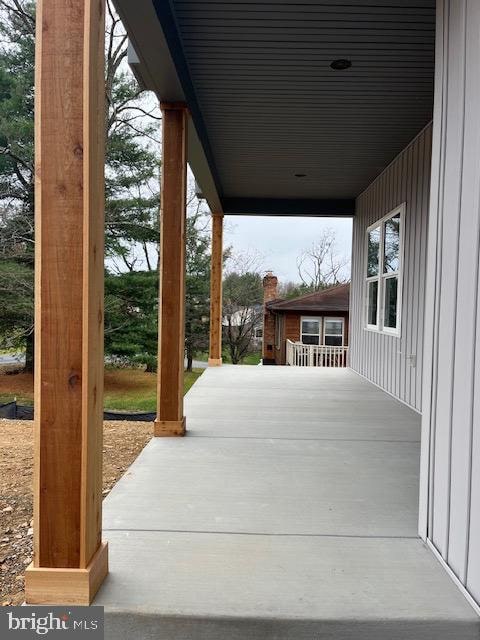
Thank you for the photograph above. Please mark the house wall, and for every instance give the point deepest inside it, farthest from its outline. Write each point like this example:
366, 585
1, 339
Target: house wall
450, 479
394, 363
291, 329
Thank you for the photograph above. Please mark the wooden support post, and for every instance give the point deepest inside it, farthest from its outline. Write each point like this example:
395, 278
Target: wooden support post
70, 560
171, 308
215, 355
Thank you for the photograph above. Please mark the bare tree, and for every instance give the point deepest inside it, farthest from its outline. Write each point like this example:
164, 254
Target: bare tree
126, 102
242, 303
132, 124
321, 266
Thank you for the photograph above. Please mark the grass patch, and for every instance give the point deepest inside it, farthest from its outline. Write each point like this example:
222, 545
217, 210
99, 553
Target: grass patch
251, 358
125, 389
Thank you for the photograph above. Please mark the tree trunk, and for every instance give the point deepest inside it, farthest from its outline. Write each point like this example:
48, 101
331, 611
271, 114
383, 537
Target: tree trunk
30, 353
189, 358
233, 354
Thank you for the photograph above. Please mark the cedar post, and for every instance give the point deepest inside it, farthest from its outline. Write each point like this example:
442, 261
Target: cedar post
170, 420
215, 355
70, 560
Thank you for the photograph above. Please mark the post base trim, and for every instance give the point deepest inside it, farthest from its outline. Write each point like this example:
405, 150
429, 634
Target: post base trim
215, 362
169, 428
46, 585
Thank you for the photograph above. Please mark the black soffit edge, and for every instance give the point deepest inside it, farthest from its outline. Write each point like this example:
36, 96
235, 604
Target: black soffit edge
169, 28
286, 207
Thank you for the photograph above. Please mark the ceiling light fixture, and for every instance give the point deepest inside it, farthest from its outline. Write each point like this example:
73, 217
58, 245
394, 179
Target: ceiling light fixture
341, 64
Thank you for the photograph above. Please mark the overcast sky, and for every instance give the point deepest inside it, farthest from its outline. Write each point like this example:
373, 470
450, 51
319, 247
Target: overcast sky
279, 241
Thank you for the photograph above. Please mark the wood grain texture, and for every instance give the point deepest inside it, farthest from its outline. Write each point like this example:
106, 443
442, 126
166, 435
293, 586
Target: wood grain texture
93, 282
67, 586
169, 428
216, 274
171, 321
69, 205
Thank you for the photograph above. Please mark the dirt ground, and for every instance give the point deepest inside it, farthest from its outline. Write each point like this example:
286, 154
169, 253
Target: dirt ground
123, 441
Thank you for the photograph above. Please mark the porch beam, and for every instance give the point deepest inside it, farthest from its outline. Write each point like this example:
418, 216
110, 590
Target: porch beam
289, 207
70, 560
216, 274
170, 420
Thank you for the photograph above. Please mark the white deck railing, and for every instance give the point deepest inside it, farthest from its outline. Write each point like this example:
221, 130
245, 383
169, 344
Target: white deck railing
312, 355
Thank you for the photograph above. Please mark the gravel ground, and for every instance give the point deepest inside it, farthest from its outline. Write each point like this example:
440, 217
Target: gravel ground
123, 441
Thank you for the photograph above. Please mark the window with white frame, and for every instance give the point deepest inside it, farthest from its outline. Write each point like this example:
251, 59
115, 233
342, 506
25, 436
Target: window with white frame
333, 332
322, 331
311, 330
384, 273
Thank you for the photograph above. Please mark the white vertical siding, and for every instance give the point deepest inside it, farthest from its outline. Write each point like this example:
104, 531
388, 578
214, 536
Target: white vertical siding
450, 496
382, 358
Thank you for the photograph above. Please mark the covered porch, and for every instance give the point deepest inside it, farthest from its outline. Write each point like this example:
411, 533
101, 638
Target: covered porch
289, 511
292, 507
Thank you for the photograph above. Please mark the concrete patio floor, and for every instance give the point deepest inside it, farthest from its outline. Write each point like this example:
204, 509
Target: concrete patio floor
289, 512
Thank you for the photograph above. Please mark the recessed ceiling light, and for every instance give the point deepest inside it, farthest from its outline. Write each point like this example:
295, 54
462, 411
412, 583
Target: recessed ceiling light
341, 64
300, 175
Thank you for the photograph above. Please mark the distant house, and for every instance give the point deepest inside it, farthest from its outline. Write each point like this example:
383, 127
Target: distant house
309, 330
249, 320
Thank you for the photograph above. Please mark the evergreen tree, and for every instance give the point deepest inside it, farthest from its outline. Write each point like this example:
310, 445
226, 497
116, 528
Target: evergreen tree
131, 317
132, 202
132, 167
132, 174
131, 303
17, 26
197, 285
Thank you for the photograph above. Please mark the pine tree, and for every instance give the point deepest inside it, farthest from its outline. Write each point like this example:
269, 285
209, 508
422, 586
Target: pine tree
17, 26
197, 285
132, 167
131, 317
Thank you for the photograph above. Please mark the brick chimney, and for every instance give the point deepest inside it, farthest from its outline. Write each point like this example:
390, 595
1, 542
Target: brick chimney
270, 283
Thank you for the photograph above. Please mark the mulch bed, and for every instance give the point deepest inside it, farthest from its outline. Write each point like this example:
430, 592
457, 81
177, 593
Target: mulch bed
123, 441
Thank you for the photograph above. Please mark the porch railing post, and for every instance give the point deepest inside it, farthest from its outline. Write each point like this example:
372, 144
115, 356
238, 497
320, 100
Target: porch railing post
215, 353
170, 420
70, 560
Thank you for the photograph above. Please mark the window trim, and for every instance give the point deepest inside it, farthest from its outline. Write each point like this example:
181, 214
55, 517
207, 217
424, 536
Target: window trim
335, 319
322, 320
320, 328
381, 277
368, 280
